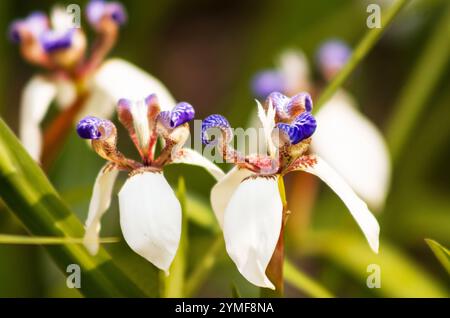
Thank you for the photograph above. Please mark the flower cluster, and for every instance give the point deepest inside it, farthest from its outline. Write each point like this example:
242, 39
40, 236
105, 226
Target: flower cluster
87, 84
55, 42
247, 200
150, 214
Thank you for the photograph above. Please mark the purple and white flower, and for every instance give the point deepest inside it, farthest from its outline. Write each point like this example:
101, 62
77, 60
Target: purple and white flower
247, 200
150, 214
342, 128
55, 45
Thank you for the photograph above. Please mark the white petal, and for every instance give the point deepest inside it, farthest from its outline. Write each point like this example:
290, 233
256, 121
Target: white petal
118, 79
192, 157
365, 219
252, 225
222, 191
150, 218
100, 201
138, 110
294, 67
36, 99
268, 124
354, 147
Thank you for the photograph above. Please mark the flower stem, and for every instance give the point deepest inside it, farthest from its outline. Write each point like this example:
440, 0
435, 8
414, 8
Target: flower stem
274, 270
360, 52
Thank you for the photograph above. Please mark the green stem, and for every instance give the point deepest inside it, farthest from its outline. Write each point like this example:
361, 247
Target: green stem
174, 283
422, 82
28, 193
360, 52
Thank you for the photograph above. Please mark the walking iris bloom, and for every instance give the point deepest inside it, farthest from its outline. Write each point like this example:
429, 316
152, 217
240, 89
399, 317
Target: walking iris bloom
342, 128
247, 200
72, 78
150, 214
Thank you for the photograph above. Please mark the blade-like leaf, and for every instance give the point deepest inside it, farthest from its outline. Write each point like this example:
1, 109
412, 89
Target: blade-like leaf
28, 193
47, 240
442, 254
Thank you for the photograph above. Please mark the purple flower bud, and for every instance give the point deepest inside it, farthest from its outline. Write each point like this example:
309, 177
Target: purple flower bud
215, 121
268, 81
36, 23
97, 9
301, 128
94, 128
181, 113
56, 40
332, 55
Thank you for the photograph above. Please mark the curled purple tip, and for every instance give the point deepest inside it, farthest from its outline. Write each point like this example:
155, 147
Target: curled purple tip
300, 129
97, 9
181, 113
93, 128
36, 23
215, 121
333, 54
56, 40
265, 82
288, 108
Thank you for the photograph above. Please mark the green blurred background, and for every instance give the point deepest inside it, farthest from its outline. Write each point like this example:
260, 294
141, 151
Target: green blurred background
206, 52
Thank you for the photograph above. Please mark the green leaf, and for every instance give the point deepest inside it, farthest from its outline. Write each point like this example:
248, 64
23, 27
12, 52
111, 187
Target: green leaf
422, 82
401, 276
46, 240
441, 253
303, 282
28, 193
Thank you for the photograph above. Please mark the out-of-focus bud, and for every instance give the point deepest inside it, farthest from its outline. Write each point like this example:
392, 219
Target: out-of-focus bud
332, 56
266, 82
103, 15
